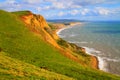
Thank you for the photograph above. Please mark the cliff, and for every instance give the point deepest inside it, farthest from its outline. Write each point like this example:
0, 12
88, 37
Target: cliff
26, 54
38, 24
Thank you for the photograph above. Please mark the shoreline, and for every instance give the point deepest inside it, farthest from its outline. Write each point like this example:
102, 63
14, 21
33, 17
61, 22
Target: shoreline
66, 27
95, 60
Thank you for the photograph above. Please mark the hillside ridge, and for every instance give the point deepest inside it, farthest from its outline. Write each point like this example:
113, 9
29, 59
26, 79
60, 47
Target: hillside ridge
38, 24
26, 54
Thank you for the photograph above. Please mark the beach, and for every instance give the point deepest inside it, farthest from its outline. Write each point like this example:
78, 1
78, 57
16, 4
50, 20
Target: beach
100, 39
94, 59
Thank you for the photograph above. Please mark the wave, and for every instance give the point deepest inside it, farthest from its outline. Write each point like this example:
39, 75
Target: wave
111, 59
72, 35
102, 64
83, 42
91, 50
102, 58
107, 56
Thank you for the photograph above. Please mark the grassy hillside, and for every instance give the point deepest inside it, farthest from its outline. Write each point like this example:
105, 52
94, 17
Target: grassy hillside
14, 69
24, 54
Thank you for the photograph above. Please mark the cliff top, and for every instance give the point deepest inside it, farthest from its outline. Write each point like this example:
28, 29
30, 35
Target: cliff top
26, 55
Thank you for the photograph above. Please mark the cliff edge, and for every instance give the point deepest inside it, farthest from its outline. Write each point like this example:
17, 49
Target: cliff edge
30, 50
37, 24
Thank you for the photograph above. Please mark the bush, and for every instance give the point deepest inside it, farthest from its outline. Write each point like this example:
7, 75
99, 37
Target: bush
62, 42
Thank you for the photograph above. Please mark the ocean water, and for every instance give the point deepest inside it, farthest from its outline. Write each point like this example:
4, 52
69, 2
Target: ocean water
101, 39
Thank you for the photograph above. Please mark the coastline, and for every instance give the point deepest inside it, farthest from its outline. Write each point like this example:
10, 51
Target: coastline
94, 59
66, 27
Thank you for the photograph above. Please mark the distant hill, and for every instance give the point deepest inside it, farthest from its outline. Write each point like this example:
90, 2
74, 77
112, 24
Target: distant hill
64, 20
30, 50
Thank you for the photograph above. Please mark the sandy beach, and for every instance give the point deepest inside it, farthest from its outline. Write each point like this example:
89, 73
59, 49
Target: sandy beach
94, 59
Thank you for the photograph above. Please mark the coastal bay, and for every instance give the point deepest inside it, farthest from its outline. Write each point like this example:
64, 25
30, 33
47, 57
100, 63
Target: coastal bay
100, 39
94, 59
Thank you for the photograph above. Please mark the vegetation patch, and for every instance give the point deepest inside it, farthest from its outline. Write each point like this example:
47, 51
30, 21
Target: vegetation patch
26, 56
21, 13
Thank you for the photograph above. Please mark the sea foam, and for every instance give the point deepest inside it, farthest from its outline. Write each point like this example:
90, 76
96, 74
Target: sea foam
77, 42
101, 61
102, 64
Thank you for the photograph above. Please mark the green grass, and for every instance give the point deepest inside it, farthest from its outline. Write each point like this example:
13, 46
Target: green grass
21, 13
18, 43
14, 69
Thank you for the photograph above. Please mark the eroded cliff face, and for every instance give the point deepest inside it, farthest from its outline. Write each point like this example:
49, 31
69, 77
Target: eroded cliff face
38, 24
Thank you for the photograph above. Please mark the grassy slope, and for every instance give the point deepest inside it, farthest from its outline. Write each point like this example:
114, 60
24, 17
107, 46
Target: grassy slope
21, 44
21, 70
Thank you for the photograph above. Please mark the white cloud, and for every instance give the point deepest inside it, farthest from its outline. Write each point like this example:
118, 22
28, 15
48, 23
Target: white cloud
10, 1
85, 11
63, 4
43, 8
38, 8
58, 5
59, 8
115, 10
32, 1
74, 12
47, 7
61, 13
104, 11
49, 0
10, 5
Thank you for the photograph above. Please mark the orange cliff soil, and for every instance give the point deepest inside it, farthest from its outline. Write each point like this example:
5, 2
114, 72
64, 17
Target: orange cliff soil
94, 61
38, 25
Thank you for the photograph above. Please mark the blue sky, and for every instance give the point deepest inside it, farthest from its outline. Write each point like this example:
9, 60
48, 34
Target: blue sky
67, 9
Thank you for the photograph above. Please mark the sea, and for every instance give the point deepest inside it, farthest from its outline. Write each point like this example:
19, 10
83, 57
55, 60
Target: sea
101, 39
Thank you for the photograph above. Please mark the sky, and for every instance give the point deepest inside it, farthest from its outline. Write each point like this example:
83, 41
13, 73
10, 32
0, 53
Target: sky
67, 9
